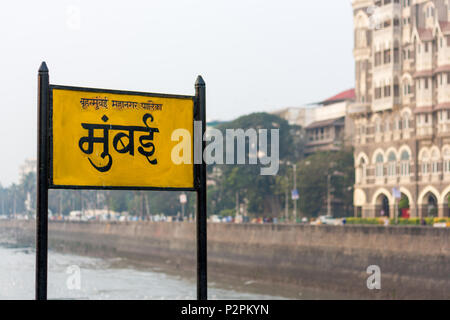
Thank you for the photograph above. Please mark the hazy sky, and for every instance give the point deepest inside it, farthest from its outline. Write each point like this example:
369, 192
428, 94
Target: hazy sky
254, 55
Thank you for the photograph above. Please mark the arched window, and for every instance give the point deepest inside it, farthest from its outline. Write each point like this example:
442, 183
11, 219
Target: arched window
429, 11
404, 158
387, 125
435, 162
425, 159
361, 38
379, 165
362, 129
378, 125
361, 171
405, 121
406, 88
446, 155
392, 163
398, 123
363, 168
362, 23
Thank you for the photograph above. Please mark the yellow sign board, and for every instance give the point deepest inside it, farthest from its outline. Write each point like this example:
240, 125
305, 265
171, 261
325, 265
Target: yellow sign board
118, 139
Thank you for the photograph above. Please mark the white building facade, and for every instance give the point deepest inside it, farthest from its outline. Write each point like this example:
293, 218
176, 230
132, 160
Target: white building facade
325, 124
402, 109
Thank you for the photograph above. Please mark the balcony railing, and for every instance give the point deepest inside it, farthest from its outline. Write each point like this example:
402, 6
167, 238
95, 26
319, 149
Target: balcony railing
358, 107
383, 104
424, 130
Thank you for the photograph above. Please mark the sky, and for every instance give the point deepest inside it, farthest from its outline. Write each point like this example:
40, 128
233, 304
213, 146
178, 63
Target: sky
254, 55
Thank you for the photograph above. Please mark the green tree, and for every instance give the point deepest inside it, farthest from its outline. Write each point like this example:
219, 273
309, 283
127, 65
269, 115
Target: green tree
264, 195
313, 182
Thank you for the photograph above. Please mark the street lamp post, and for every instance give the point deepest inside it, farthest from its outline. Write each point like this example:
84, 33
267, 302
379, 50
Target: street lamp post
182, 210
183, 201
335, 173
286, 213
328, 195
295, 188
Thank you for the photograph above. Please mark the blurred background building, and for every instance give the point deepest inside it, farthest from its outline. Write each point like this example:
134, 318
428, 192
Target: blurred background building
325, 123
402, 108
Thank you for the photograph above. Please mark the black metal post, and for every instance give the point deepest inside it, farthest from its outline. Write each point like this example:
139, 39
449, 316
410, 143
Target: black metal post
42, 184
200, 98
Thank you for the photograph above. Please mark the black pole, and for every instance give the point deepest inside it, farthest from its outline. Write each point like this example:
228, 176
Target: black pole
42, 184
200, 97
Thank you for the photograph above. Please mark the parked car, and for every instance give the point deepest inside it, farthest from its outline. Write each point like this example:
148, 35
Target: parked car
215, 218
328, 220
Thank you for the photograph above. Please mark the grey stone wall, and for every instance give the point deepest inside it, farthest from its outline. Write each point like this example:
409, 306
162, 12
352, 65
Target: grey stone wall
414, 261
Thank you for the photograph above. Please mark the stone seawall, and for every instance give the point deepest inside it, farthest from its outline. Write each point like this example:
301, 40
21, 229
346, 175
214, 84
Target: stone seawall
414, 261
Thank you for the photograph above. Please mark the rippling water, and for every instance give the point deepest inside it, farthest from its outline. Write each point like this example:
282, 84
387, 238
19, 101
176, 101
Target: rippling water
100, 279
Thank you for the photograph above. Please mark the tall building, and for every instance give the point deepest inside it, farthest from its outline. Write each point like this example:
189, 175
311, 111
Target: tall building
325, 124
402, 109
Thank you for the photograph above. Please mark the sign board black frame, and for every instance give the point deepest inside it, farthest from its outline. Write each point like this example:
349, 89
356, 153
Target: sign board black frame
45, 179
